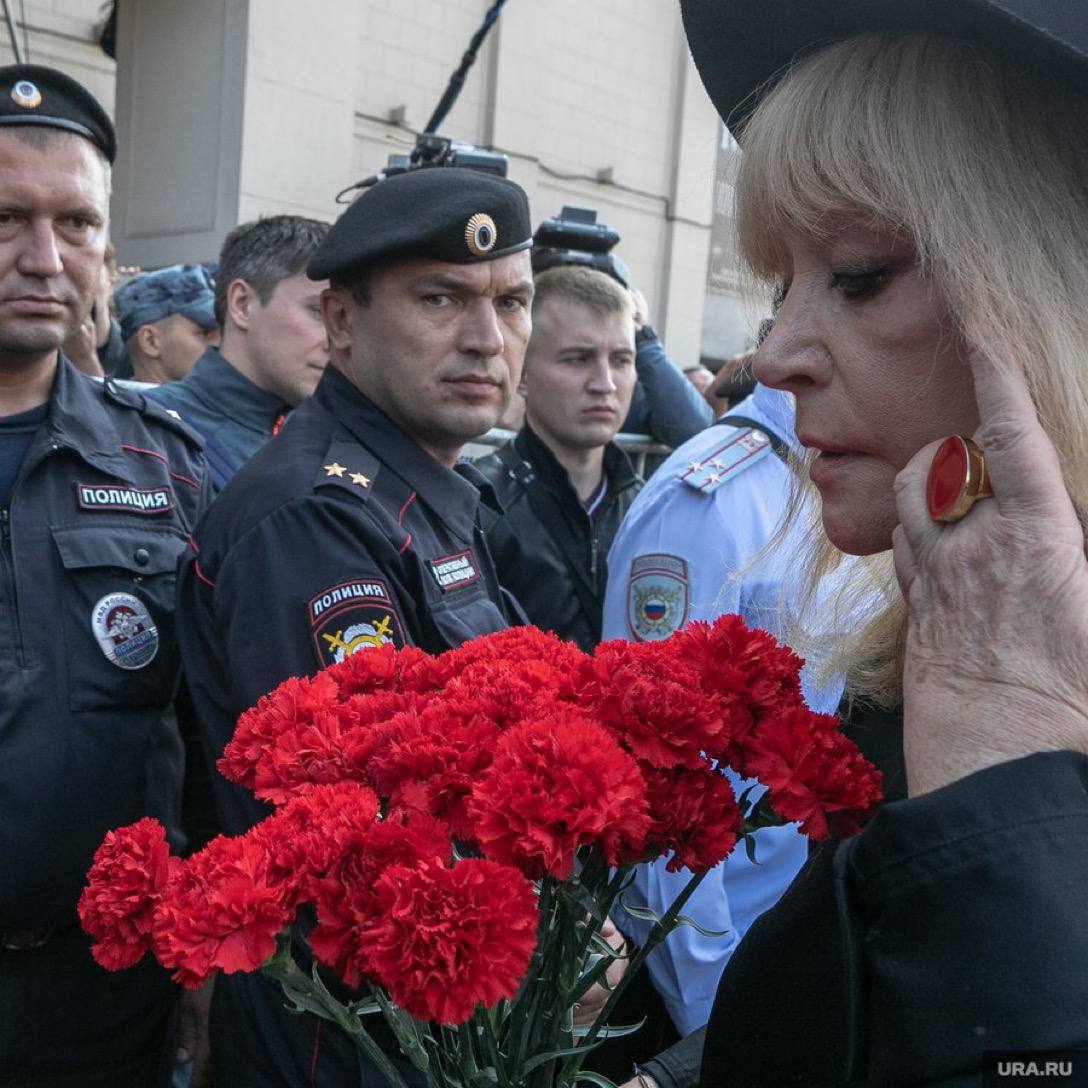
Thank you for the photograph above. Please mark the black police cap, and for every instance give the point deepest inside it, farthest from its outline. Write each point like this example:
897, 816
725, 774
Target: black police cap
32, 94
439, 212
742, 47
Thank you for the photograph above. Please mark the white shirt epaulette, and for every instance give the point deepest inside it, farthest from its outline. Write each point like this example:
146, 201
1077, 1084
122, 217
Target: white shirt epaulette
739, 448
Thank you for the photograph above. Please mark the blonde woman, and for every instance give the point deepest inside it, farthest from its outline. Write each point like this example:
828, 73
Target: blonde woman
914, 188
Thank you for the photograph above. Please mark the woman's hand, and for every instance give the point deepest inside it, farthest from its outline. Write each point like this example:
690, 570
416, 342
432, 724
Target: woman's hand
593, 1000
997, 645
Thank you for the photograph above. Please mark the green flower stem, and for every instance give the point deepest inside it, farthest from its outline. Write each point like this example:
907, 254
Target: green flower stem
658, 933
283, 969
486, 1028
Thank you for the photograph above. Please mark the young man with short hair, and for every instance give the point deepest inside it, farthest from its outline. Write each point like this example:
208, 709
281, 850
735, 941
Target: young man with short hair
562, 482
272, 350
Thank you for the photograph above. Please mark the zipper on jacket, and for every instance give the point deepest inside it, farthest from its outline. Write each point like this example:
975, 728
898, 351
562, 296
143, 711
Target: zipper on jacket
11, 602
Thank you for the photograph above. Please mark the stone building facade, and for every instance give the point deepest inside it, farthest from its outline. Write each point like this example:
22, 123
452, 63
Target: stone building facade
229, 109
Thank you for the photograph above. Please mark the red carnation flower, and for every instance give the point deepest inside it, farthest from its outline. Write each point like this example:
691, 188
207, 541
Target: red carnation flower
386, 668
221, 911
694, 814
746, 670
813, 773
653, 703
343, 897
555, 785
430, 760
310, 753
305, 837
128, 873
443, 940
294, 703
511, 647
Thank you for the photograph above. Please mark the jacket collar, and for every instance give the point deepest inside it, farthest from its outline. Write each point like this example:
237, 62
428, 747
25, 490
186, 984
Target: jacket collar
618, 470
449, 494
222, 388
80, 420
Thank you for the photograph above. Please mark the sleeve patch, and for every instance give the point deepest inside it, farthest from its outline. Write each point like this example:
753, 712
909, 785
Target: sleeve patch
353, 616
657, 596
454, 571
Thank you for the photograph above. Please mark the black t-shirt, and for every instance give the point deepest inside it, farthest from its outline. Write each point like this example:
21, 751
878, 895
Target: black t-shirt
16, 434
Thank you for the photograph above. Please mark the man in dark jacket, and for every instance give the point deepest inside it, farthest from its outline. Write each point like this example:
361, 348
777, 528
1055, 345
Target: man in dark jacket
353, 529
99, 491
562, 482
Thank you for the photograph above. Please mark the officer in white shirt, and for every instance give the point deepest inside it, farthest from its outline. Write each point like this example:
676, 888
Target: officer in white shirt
689, 549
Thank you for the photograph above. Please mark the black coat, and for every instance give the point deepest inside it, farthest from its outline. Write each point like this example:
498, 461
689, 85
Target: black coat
953, 926
549, 553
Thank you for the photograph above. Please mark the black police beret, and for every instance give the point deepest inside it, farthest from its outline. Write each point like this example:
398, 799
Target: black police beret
32, 94
440, 212
741, 47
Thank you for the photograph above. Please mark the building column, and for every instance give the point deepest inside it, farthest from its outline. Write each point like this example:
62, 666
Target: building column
217, 103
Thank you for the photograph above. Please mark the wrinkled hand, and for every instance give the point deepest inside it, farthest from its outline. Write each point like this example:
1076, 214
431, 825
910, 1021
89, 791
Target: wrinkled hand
192, 1043
997, 642
593, 1000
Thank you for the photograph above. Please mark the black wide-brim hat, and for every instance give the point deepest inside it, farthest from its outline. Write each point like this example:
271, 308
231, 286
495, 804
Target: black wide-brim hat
740, 47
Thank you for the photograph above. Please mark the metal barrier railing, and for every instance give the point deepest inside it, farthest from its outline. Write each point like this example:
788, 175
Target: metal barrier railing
637, 446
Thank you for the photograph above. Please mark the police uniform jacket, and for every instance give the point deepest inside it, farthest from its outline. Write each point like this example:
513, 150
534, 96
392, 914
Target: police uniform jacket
109, 490
550, 554
340, 535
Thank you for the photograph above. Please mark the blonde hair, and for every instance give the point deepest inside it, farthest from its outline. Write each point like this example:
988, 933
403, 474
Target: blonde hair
589, 287
987, 172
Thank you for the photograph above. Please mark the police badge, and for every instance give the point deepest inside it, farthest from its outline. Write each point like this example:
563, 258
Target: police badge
657, 597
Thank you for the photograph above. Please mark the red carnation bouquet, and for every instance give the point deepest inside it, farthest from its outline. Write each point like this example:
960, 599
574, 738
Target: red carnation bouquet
450, 832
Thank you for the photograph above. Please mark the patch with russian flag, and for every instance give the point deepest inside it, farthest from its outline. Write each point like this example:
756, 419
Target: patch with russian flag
657, 596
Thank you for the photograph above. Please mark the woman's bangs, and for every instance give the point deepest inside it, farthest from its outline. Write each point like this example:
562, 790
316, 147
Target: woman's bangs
821, 146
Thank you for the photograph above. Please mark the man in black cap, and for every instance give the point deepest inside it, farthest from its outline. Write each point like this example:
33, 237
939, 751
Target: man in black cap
98, 491
354, 529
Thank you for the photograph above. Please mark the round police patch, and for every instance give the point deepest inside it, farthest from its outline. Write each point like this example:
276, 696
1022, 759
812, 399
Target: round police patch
657, 597
125, 630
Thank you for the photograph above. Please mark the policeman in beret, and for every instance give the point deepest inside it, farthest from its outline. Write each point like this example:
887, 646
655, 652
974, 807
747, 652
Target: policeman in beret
98, 492
355, 527
167, 320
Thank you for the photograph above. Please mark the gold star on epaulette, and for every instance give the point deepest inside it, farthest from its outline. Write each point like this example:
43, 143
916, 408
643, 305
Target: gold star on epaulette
360, 479
716, 478
335, 469
695, 466
716, 463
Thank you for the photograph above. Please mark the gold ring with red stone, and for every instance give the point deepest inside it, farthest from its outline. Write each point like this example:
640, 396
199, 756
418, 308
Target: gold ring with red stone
957, 479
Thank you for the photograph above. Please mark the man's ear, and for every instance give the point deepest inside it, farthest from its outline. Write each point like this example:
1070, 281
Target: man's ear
149, 342
336, 309
241, 299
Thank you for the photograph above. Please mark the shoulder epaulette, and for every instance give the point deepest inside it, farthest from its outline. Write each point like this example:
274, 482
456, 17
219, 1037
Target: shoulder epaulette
128, 397
738, 448
349, 466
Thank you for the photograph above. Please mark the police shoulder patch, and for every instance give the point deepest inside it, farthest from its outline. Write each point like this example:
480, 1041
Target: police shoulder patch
349, 466
738, 449
352, 616
657, 596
